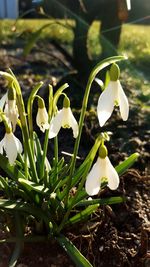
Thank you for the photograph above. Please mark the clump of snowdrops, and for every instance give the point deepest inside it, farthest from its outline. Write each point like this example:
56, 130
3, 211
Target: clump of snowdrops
37, 191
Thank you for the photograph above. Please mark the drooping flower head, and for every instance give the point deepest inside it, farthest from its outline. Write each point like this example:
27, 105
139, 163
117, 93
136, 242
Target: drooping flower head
101, 170
112, 96
42, 115
11, 145
8, 104
64, 118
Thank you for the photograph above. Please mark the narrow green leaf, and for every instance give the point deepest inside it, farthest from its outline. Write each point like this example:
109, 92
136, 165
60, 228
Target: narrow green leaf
11, 170
16, 254
127, 163
19, 241
86, 165
24, 207
4, 186
33, 39
101, 201
29, 186
73, 252
83, 215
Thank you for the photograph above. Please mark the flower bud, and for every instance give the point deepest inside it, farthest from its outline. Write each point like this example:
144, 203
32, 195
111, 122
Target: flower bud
66, 102
103, 152
114, 72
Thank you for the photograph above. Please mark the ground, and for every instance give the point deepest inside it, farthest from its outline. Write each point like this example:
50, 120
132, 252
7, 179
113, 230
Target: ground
116, 236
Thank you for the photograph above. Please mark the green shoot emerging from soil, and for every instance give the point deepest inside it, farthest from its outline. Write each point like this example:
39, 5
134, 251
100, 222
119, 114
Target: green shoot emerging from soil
37, 190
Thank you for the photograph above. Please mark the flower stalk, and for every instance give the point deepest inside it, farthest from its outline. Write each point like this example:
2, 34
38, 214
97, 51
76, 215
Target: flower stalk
103, 64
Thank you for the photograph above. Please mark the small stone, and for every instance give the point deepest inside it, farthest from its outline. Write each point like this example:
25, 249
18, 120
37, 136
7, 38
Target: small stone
137, 242
40, 259
101, 248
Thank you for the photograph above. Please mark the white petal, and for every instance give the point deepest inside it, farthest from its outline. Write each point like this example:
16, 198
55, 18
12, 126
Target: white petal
123, 103
10, 148
73, 123
92, 184
11, 112
1, 146
18, 144
112, 175
2, 101
42, 119
66, 118
47, 165
106, 103
55, 124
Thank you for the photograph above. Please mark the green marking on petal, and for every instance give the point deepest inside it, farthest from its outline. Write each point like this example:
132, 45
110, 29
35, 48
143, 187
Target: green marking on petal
116, 103
66, 126
104, 180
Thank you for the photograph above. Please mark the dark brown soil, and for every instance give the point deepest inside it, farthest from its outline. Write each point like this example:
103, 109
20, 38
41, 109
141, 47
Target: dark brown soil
116, 236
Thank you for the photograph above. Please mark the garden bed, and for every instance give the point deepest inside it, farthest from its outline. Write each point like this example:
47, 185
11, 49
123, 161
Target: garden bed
116, 235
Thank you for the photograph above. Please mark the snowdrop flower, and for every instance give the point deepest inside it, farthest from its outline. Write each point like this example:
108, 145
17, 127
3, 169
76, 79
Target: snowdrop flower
11, 110
42, 116
111, 96
64, 118
11, 145
101, 170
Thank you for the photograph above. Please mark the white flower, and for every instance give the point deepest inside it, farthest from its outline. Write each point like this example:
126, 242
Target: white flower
42, 119
11, 112
64, 118
111, 96
12, 147
102, 169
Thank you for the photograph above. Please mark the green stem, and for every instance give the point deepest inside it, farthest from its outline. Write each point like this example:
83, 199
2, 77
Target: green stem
50, 109
29, 108
28, 149
25, 132
103, 64
56, 156
72, 204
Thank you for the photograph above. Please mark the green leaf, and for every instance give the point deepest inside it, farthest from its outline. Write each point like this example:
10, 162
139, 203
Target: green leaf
19, 241
22, 207
16, 254
86, 165
33, 39
11, 170
83, 215
29, 186
4, 186
127, 163
84, 168
73, 252
101, 201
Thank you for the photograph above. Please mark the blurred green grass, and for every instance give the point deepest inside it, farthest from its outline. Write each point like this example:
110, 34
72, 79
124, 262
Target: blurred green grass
134, 42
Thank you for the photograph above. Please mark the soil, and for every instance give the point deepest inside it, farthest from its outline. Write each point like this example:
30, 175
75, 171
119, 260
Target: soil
117, 235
